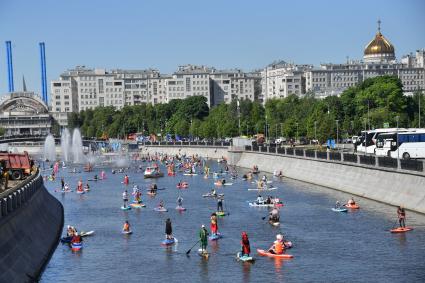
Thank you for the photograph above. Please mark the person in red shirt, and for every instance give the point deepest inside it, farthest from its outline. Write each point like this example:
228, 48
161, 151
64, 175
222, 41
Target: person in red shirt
246, 248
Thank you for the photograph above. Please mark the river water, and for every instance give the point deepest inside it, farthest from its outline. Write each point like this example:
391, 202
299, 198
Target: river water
328, 246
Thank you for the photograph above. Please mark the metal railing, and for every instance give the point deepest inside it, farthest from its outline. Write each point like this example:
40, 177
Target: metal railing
386, 163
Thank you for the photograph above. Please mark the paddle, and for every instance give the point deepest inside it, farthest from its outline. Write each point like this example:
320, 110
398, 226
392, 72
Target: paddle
188, 252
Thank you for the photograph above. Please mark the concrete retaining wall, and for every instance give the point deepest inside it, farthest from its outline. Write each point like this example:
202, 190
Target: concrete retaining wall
31, 222
210, 152
389, 187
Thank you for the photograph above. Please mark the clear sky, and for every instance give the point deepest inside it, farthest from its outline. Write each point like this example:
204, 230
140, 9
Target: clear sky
161, 34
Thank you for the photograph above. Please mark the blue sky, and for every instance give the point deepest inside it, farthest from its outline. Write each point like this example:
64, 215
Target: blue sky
220, 33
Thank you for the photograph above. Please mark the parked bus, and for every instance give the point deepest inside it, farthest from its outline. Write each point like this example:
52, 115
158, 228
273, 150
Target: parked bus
366, 142
410, 145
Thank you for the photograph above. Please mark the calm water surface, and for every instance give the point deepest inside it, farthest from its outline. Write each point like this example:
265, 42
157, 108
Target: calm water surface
328, 246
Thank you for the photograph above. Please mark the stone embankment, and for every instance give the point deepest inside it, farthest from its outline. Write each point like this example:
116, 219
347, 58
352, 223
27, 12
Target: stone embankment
31, 222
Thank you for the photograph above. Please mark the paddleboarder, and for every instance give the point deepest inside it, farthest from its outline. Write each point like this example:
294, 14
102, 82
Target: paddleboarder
214, 226
125, 198
246, 248
203, 238
168, 229
401, 213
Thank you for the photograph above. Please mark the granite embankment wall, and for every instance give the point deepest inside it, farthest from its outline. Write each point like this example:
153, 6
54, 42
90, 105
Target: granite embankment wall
204, 151
31, 222
395, 188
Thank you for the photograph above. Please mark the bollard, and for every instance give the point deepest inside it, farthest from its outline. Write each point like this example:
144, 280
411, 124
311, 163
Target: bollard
18, 197
376, 161
14, 201
3, 206
9, 203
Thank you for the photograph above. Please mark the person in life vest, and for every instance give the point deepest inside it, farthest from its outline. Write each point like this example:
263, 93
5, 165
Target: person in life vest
203, 238
278, 245
401, 213
76, 239
80, 185
214, 226
351, 201
125, 198
126, 227
168, 229
246, 248
126, 180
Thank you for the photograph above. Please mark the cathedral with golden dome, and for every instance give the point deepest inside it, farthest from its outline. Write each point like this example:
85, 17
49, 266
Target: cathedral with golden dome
379, 49
378, 60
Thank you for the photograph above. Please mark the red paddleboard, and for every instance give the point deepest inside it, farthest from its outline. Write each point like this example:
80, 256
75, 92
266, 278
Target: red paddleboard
266, 253
401, 229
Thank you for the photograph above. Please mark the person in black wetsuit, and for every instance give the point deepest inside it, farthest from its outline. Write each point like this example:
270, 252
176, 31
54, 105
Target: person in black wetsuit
168, 229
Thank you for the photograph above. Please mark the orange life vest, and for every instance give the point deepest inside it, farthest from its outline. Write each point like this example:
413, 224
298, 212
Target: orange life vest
278, 247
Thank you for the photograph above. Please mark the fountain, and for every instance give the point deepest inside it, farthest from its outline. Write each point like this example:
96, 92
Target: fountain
66, 145
77, 147
49, 148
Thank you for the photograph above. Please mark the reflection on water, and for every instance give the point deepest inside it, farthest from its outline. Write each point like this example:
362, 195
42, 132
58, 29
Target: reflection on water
328, 246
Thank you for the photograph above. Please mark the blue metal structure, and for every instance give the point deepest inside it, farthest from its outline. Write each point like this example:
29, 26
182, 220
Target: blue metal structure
43, 72
10, 66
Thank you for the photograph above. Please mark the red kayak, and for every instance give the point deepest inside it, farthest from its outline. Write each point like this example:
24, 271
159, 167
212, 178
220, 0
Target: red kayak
266, 253
401, 229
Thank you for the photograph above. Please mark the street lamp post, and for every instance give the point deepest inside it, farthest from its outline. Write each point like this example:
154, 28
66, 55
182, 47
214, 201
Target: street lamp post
281, 129
239, 117
296, 137
315, 131
337, 133
398, 150
365, 135
265, 132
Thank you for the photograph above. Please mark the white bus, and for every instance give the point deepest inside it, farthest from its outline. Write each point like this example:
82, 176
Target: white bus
366, 142
410, 145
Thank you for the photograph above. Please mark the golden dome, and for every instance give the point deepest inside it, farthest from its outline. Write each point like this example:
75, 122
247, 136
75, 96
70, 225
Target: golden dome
379, 45
379, 49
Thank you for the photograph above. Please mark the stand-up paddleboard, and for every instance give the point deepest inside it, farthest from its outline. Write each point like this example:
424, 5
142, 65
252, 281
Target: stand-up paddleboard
244, 258
203, 253
215, 237
189, 174
274, 223
228, 184
401, 229
266, 253
169, 242
127, 232
339, 209
180, 208
80, 192
126, 208
137, 205
160, 209
220, 213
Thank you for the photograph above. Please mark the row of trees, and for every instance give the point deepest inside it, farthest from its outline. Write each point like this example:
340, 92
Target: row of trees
372, 104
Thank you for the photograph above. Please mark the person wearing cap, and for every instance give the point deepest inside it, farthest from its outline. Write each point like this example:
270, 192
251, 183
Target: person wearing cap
278, 245
246, 248
203, 238
125, 198
168, 229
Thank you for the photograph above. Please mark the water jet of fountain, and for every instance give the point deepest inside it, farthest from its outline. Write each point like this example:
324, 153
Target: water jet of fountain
66, 145
77, 147
49, 148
